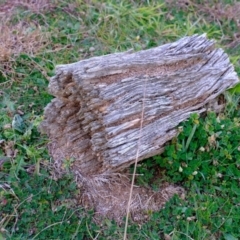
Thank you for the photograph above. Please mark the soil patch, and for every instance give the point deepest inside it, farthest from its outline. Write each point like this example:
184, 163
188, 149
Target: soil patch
108, 195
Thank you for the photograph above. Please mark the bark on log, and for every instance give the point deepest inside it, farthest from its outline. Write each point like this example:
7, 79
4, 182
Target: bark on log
94, 121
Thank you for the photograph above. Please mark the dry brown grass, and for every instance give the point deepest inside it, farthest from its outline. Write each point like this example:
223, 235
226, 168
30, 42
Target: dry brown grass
24, 37
21, 37
9, 6
213, 11
216, 11
18, 39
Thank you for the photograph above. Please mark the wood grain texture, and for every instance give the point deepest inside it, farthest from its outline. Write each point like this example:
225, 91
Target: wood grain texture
95, 116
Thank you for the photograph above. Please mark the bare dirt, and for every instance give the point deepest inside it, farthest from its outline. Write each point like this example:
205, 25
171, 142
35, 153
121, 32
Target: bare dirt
108, 195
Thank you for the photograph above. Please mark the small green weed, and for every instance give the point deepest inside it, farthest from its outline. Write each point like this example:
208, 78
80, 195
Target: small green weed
203, 150
48, 201
205, 159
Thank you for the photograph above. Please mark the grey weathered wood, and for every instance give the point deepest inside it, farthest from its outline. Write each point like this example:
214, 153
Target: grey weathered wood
95, 117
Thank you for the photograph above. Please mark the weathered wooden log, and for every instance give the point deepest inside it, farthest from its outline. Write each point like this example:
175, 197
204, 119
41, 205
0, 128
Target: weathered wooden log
94, 121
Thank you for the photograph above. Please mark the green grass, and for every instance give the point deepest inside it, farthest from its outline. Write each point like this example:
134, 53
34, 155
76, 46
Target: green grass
205, 158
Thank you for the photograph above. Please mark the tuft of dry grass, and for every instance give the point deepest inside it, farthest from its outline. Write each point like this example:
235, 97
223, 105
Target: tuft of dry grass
38, 6
20, 38
218, 12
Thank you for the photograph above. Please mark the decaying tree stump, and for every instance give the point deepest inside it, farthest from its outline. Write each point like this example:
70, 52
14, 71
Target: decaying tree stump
94, 121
